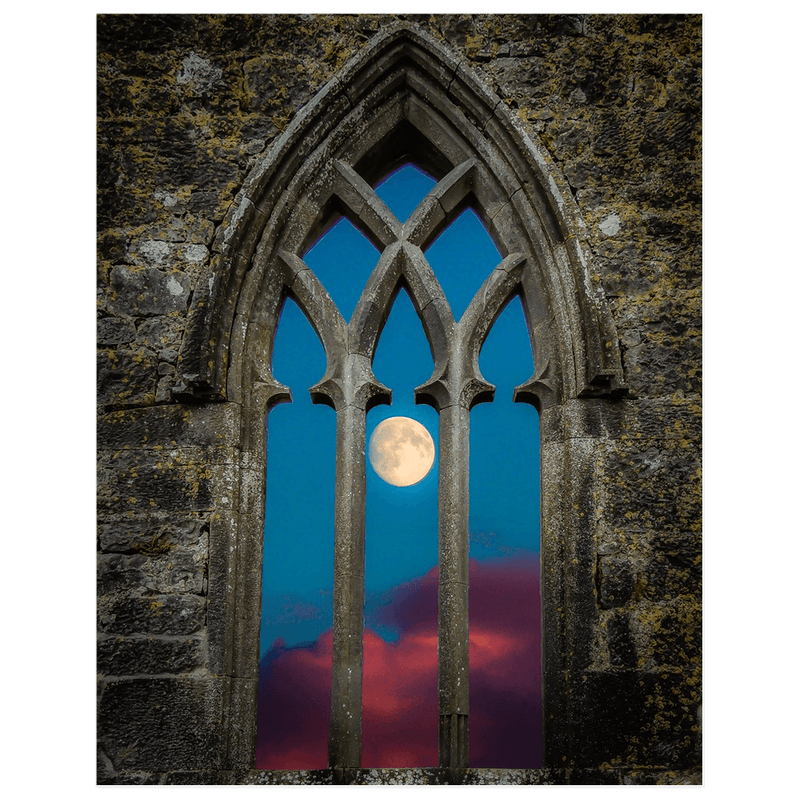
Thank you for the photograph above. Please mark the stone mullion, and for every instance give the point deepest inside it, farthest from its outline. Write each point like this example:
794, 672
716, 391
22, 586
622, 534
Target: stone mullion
344, 743
351, 388
454, 586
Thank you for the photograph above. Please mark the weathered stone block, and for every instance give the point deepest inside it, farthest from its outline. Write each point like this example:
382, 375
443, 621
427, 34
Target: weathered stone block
136, 655
616, 581
151, 480
147, 291
159, 333
114, 205
164, 389
154, 534
264, 74
653, 485
221, 613
113, 331
177, 615
631, 717
669, 634
125, 377
676, 418
242, 704
177, 425
654, 366
178, 571
675, 568
112, 245
184, 229
161, 724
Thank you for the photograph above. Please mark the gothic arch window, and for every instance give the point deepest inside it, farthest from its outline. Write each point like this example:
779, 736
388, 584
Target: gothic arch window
404, 98
398, 557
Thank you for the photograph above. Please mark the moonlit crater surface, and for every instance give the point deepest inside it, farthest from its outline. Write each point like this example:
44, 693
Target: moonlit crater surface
401, 451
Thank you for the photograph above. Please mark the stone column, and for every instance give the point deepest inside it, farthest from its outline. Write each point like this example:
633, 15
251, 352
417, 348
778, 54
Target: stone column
344, 743
454, 587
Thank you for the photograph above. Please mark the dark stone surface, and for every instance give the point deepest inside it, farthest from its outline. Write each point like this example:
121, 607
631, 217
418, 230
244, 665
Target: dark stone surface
179, 571
153, 534
616, 581
674, 635
161, 724
151, 480
612, 713
676, 566
618, 724
655, 486
621, 647
115, 331
160, 333
131, 655
126, 377
148, 292
593, 777
169, 426
157, 614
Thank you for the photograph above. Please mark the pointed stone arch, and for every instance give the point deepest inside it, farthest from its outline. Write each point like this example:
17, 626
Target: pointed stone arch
405, 97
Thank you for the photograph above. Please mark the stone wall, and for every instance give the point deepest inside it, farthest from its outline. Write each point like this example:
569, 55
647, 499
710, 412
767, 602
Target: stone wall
187, 106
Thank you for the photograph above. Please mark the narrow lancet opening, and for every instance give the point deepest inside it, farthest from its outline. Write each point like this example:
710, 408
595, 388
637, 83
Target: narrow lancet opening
504, 602
401, 576
294, 696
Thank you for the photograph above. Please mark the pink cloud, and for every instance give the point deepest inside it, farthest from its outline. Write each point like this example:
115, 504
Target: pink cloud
399, 727
505, 663
294, 706
400, 719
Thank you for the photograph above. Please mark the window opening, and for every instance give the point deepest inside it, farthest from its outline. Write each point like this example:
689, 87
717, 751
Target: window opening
405, 96
343, 260
504, 598
404, 189
462, 256
407, 565
295, 657
401, 578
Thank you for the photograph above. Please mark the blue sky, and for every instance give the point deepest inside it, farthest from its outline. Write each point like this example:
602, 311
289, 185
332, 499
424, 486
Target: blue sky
401, 522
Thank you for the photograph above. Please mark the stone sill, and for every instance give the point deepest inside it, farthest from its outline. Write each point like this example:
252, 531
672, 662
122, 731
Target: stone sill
421, 776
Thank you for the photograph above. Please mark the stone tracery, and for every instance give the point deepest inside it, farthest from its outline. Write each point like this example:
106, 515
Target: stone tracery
403, 99
456, 385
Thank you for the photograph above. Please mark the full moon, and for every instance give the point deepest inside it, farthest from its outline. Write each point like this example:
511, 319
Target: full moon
401, 451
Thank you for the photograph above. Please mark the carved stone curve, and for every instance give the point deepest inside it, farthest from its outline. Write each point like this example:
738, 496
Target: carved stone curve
404, 78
